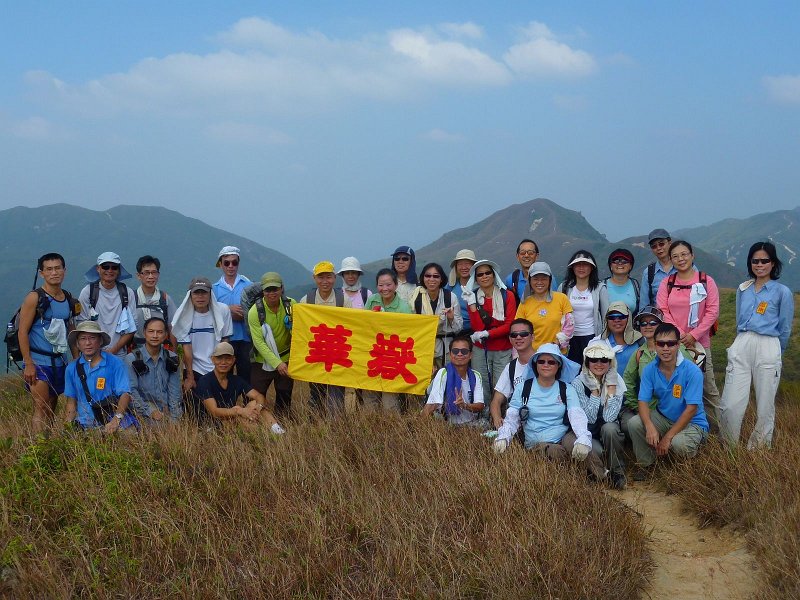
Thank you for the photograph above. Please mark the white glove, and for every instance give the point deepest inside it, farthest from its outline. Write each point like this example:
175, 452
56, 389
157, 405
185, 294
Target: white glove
563, 340
611, 377
478, 336
580, 452
499, 446
592, 383
468, 296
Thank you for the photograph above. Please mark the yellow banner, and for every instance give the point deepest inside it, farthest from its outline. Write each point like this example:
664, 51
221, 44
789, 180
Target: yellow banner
364, 349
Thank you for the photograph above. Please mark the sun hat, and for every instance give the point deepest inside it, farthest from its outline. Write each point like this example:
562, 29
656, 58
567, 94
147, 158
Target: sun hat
271, 279
460, 255
223, 349
539, 268
569, 369
106, 257
200, 283
227, 250
350, 263
88, 327
581, 258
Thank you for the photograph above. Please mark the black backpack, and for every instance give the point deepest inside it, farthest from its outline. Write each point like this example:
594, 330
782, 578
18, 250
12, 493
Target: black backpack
418, 302
14, 352
162, 305
94, 293
338, 293
703, 279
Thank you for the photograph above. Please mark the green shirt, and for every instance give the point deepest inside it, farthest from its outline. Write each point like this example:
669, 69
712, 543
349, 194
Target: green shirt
283, 336
398, 305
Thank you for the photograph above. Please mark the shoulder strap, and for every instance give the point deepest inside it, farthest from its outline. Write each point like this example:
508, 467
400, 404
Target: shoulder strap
514, 282
94, 293
639, 353
262, 313
526, 391
512, 367
364, 295
703, 280
671, 283
122, 289
162, 304
447, 298
635, 283
311, 296
82, 376
339, 296
562, 391
651, 274
42, 302
418, 304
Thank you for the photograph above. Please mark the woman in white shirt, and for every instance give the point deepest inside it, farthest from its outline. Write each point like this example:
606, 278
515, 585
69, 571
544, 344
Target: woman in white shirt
589, 301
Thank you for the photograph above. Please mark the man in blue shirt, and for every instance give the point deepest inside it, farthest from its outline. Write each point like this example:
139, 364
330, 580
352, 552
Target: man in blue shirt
678, 423
155, 381
459, 276
228, 290
654, 273
96, 384
517, 280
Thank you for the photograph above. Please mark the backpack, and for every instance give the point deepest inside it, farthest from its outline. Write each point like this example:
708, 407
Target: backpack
162, 305
311, 297
14, 352
671, 284
94, 293
486, 317
250, 294
651, 275
526, 392
635, 284
418, 302
514, 282
262, 312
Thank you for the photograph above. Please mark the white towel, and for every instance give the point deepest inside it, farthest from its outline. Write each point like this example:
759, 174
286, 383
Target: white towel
126, 322
269, 338
182, 319
56, 334
696, 296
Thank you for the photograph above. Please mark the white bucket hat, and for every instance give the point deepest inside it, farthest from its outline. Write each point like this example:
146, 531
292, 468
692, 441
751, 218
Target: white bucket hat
350, 263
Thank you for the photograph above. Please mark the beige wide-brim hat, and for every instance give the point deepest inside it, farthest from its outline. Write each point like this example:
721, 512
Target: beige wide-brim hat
88, 327
464, 254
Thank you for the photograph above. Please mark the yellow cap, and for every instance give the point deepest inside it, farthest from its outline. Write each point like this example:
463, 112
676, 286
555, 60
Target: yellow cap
324, 266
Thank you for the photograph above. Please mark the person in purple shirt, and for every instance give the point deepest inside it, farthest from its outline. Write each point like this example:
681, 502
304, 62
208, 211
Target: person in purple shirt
228, 290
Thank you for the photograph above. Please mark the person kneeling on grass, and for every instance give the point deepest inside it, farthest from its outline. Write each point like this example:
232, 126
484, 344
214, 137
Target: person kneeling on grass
220, 390
457, 389
600, 393
547, 410
96, 383
679, 422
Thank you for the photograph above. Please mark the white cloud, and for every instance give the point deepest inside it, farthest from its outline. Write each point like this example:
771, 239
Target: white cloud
36, 129
440, 135
542, 55
263, 67
462, 30
784, 89
246, 133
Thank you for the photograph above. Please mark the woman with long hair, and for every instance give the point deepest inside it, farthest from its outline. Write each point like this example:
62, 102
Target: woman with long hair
764, 313
588, 299
550, 312
404, 267
431, 298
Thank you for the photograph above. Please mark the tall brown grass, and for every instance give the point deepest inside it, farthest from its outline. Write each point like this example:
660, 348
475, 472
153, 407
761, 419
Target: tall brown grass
758, 491
368, 506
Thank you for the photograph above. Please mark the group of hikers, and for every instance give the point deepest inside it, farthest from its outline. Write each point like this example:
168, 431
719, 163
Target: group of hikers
572, 369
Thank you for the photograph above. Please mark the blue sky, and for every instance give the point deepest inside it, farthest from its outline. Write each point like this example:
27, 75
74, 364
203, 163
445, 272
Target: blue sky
298, 124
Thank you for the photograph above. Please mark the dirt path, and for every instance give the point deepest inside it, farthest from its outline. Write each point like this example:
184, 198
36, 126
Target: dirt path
690, 562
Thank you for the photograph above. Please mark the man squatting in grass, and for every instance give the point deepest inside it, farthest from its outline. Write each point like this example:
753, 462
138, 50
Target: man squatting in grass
456, 390
96, 386
678, 423
220, 391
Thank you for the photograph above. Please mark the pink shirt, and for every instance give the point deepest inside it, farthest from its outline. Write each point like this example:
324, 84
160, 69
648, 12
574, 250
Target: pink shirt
676, 307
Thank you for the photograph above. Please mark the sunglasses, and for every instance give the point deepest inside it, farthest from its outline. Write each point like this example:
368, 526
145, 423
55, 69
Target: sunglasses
617, 317
545, 361
527, 253
402, 258
109, 267
598, 360
272, 289
432, 276
620, 261
459, 351
649, 323
230, 263
484, 273
666, 343
760, 261
519, 334
658, 243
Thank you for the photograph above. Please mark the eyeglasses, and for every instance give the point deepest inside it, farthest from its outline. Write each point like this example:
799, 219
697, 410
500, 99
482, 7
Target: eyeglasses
620, 261
680, 256
649, 323
658, 243
484, 273
527, 252
519, 334
459, 351
230, 263
598, 360
549, 362
402, 258
666, 343
760, 261
617, 317
432, 276
272, 289
109, 267
148, 273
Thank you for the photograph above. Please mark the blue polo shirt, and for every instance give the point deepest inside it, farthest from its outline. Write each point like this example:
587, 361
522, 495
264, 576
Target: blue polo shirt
683, 388
624, 355
647, 294
226, 294
457, 290
108, 377
768, 312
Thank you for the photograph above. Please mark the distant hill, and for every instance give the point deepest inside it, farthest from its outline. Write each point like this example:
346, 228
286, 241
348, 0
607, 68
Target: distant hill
186, 247
730, 240
559, 232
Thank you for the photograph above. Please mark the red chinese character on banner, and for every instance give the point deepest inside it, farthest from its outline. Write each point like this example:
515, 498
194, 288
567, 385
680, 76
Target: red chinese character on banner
390, 357
330, 346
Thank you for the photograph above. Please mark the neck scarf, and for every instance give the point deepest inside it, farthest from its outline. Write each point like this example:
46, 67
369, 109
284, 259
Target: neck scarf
453, 385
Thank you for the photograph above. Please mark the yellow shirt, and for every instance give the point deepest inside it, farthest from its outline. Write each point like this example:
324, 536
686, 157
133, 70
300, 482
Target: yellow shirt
545, 316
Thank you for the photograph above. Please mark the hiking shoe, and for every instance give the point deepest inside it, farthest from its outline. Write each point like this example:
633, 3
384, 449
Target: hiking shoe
642, 473
277, 429
618, 481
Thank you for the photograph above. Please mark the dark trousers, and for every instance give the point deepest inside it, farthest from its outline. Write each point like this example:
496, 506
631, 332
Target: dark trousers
241, 351
577, 345
327, 399
261, 380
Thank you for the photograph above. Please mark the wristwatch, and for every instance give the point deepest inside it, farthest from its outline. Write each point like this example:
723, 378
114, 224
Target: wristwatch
119, 416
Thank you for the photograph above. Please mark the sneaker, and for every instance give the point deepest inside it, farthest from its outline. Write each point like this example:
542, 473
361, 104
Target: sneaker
277, 429
618, 481
642, 473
